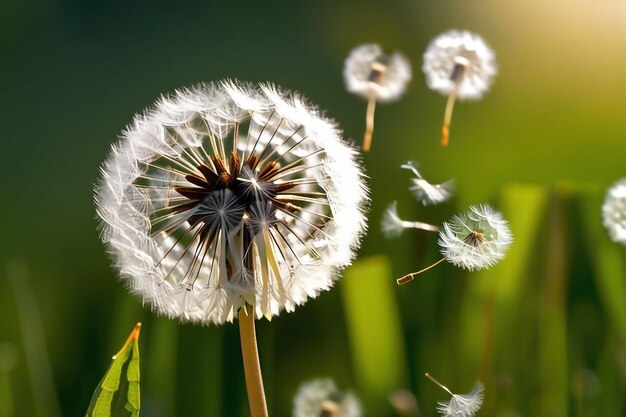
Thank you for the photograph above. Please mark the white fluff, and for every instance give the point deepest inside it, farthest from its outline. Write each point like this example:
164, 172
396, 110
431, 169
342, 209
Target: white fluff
263, 250
475, 239
614, 211
462, 48
392, 225
321, 397
368, 72
425, 192
463, 405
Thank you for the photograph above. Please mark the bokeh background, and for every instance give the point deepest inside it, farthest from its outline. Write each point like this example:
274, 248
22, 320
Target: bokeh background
545, 330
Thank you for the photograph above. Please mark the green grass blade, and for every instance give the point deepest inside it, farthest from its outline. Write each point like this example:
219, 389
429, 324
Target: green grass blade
373, 322
118, 392
8, 360
497, 298
607, 261
553, 348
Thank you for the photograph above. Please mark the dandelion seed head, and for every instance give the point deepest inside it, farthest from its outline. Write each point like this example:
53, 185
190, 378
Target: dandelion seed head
463, 405
368, 72
476, 239
226, 194
425, 192
614, 211
459, 62
321, 398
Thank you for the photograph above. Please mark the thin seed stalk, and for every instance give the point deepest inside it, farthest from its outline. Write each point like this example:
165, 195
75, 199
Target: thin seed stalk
369, 123
251, 363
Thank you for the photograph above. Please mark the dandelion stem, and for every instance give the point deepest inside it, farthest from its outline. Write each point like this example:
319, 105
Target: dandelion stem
427, 375
411, 276
369, 124
420, 226
447, 119
251, 364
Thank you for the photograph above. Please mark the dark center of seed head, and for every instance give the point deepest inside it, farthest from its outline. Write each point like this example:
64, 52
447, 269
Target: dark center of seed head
378, 69
475, 238
259, 191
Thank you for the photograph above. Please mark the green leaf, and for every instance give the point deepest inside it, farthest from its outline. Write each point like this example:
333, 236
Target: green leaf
118, 392
374, 328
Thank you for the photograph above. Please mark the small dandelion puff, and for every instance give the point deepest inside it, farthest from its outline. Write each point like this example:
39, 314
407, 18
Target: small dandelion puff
476, 239
473, 240
458, 64
226, 196
321, 398
375, 76
614, 211
425, 192
460, 405
392, 225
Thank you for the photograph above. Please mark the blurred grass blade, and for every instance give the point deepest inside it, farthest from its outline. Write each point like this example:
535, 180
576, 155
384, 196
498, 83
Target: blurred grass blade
373, 321
496, 298
118, 392
607, 260
45, 400
8, 360
553, 348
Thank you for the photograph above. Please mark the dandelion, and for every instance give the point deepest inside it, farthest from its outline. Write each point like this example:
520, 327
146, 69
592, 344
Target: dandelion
458, 64
229, 200
376, 76
321, 398
476, 239
425, 192
460, 405
614, 211
392, 225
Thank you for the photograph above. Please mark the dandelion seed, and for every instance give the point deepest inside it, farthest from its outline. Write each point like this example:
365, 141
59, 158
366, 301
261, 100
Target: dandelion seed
227, 195
321, 398
425, 192
460, 405
461, 65
614, 211
392, 225
376, 76
476, 239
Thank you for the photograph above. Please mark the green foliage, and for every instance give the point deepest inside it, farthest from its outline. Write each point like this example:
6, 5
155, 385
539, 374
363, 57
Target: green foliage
375, 331
118, 392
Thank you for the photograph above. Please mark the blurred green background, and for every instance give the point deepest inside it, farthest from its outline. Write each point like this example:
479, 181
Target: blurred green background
545, 330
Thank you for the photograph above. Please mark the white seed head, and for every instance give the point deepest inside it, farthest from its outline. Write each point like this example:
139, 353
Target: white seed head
368, 72
614, 211
475, 239
425, 192
321, 398
226, 194
459, 62
463, 405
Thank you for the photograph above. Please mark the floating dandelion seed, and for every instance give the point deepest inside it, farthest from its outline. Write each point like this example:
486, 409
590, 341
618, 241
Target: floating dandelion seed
321, 398
425, 192
376, 76
460, 405
614, 211
476, 239
226, 195
472, 240
458, 64
392, 225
